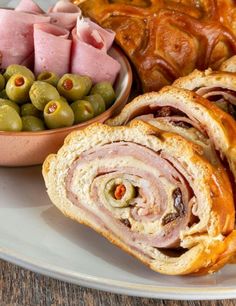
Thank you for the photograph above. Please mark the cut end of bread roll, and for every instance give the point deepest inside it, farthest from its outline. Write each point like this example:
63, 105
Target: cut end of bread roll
149, 192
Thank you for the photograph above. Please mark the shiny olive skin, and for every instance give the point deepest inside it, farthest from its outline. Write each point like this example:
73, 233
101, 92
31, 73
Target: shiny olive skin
29, 109
63, 99
32, 123
58, 114
9, 119
106, 90
2, 82
18, 69
11, 104
18, 87
83, 111
97, 102
41, 93
49, 77
73, 87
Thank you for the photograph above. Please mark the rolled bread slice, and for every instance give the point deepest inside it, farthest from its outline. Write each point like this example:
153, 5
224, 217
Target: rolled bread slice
219, 87
149, 192
186, 113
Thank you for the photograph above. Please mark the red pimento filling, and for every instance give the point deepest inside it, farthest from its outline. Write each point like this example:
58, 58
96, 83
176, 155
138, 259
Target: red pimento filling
119, 191
19, 81
67, 84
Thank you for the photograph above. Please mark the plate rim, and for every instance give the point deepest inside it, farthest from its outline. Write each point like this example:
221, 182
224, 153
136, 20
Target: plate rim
115, 286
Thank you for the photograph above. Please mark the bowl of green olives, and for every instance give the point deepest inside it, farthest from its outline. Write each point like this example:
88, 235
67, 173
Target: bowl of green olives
38, 112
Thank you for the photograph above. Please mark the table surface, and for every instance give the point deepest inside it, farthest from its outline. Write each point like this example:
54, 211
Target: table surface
23, 287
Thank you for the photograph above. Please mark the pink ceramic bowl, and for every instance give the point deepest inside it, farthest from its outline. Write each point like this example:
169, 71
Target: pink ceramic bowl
31, 148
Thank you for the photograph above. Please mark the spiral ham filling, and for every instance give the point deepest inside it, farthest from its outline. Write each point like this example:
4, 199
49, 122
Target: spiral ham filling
161, 205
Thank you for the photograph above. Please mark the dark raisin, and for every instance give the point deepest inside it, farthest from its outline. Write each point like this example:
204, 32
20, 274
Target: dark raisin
164, 111
169, 218
178, 202
126, 222
231, 110
182, 124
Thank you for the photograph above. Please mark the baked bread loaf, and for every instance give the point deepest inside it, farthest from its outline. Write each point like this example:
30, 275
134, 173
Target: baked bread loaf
168, 39
147, 191
216, 86
184, 112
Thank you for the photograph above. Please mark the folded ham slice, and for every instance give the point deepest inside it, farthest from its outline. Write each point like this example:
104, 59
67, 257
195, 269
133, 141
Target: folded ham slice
18, 26
217, 86
52, 49
89, 52
29, 6
147, 191
190, 115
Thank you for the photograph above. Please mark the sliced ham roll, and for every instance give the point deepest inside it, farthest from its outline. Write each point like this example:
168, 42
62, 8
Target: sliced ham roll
189, 115
147, 191
16, 32
52, 49
216, 86
29, 6
229, 65
89, 52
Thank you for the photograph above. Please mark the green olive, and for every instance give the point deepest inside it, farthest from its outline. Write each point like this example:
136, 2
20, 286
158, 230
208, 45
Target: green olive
63, 99
29, 109
31, 123
106, 90
10, 103
49, 77
119, 192
73, 87
2, 82
83, 111
57, 114
18, 87
3, 94
18, 69
97, 102
41, 93
9, 119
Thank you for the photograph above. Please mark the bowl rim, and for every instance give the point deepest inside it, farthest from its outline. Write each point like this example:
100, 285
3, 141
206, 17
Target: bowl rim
117, 103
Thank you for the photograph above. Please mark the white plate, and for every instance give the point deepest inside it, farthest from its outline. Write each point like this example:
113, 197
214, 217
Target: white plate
35, 235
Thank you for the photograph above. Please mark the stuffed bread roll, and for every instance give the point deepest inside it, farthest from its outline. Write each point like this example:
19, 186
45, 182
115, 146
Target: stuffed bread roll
183, 112
216, 86
148, 192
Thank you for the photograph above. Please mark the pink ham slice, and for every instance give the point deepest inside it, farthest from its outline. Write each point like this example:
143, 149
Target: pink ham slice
64, 6
168, 236
18, 26
29, 6
64, 14
52, 49
208, 92
64, 20
88, 59
92, 34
